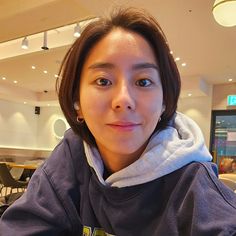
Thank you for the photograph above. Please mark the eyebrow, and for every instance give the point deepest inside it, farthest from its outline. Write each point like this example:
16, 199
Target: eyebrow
144, 66
101, 65
106, 65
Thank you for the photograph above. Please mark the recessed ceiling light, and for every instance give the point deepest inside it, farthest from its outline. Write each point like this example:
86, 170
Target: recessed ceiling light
184, 64
230, 80
25, 102
15, 81
177, 59
3, 78
171, 52
56, 76
189, 94
48, 105
45, 71
33, 67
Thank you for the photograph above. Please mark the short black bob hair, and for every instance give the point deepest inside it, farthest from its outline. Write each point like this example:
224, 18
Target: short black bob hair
131, 19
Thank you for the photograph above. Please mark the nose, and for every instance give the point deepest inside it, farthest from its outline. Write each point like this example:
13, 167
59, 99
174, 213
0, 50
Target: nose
123, 98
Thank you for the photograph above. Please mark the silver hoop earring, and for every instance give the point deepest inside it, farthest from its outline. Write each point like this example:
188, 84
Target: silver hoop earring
79, 120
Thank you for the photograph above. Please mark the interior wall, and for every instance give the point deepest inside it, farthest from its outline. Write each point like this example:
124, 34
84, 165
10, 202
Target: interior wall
199, 109
20, 127
220, 93
45, 133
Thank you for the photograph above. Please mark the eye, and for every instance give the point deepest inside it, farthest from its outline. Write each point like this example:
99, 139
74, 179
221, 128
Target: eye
143, 82
103, 82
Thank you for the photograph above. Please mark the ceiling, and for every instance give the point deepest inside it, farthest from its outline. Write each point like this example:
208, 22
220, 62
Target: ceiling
207, 48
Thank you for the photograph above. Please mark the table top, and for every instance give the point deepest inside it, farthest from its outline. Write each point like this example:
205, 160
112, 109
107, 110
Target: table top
25, 165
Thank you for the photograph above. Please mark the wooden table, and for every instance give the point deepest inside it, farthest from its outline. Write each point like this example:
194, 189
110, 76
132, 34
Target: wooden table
29, 166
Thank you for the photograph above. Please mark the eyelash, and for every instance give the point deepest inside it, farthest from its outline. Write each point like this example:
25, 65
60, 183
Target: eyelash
106, 82
142, 80
99, 82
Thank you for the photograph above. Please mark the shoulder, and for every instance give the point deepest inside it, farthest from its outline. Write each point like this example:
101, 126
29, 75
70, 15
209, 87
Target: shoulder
199, 199
68, 152
196, 170
67, 164
201, 178
201, 169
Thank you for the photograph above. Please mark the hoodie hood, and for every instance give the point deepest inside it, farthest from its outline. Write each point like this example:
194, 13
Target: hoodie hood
167, 151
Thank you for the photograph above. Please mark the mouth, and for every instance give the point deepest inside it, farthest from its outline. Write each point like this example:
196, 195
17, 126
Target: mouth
124, 126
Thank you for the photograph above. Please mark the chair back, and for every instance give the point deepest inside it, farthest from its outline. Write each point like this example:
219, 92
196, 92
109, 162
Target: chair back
6, 178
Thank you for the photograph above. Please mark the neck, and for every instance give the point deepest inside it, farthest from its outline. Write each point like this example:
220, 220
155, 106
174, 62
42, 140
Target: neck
117, 161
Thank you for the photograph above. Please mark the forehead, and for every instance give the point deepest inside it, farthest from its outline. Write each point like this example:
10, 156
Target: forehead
120, 43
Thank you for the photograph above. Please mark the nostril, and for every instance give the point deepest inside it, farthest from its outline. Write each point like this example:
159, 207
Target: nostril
119, 107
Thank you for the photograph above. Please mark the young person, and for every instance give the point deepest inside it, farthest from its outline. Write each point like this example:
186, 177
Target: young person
130, 165
233, 166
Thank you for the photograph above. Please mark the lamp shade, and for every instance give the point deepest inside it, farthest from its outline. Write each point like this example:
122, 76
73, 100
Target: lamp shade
45, 41
224, 12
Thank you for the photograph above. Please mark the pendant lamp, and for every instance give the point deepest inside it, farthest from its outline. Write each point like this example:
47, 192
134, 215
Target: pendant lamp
77, 30
224, 12
25, 43
45, 41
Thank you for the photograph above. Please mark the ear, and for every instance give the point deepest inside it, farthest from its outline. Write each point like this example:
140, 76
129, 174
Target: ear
76, 106
78, 110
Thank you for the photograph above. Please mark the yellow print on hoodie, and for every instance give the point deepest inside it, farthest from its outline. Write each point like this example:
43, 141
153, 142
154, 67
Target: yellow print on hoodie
87, 231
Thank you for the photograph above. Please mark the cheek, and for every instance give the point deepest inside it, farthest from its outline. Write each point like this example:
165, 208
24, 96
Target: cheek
152, 111
154, 105
153, 117
92, 105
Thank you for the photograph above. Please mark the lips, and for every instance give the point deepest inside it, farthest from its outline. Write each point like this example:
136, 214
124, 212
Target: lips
124, 125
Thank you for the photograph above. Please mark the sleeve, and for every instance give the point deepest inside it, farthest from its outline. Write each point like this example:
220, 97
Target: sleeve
39, 211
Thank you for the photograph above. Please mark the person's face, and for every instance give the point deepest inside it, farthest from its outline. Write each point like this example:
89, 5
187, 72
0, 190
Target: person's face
234, 166
121, 95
